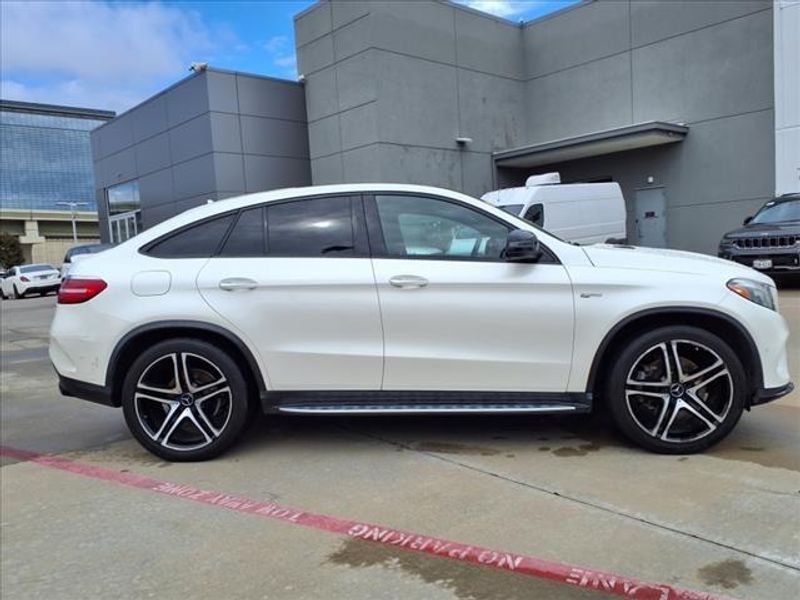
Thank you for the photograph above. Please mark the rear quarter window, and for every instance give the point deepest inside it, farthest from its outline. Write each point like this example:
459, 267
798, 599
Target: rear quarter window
194, 241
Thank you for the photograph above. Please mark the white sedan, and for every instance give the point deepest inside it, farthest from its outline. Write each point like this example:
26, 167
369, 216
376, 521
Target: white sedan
30, 279
398, 299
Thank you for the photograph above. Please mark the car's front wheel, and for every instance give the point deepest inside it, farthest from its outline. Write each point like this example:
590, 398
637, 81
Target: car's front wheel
185, 400
17, 294
676, 390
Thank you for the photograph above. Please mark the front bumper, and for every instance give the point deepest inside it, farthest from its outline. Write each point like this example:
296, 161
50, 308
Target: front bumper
765, 395
85, 391
784, 260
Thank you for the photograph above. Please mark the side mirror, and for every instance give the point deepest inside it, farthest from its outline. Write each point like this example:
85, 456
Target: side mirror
747, 221
522, 246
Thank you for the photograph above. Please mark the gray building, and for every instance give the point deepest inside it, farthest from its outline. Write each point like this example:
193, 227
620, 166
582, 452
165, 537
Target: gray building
213, 135
675, 101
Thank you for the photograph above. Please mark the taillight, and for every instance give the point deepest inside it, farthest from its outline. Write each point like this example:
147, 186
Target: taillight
24, 279
77, 290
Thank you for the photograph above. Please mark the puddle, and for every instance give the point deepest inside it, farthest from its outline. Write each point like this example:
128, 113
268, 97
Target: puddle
581, 450
727, 574
450, 448
463, 580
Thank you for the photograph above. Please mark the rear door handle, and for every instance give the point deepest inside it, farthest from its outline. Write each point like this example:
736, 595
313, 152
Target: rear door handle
232, 284
408, 281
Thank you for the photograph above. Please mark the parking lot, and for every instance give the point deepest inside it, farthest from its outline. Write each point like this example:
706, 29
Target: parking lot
87, 524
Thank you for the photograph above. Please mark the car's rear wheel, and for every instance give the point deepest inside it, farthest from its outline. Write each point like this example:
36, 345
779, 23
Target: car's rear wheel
676, 390
185, 400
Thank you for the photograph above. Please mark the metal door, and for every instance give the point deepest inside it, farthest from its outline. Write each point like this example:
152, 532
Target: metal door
651, 218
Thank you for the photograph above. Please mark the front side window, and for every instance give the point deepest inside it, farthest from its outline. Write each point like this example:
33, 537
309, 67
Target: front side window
421, 226
313, 227
535, 214
196, 241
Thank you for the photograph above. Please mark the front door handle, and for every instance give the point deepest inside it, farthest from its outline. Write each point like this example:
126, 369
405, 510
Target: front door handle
237, 283
408, 281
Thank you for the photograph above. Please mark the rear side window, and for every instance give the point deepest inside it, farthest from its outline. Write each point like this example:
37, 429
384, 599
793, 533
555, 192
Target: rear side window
196, 241
247, 236
535, 214
311, 228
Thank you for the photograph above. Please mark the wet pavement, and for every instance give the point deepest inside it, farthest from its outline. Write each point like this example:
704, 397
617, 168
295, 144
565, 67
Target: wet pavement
568, 490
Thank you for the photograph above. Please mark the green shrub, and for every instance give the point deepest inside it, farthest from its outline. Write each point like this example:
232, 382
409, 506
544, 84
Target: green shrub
10, 251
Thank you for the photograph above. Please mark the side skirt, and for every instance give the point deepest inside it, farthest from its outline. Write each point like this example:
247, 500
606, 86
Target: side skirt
360, 402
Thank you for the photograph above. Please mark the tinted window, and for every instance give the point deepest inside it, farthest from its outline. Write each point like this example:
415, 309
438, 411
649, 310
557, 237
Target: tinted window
313, 227
197, 241
247, 236
34, 268
779, 212
535, 214
419, 226
513, 209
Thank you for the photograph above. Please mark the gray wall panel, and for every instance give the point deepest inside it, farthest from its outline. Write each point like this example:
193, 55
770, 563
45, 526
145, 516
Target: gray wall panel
226, 135
321, 97
722, 70
416, 101
592, 97
222, 92
424, 29
426, 166
187, 99
156, 188
194, 177
488, 45
653, 21
359, 126
356, 77
119, 167
273, 137
155, 214
116, 135
229, 173
327, 169
153, 154
191, 138
491, 111
313, 23
269, 172
362, 165
149, 119
346, 11
324, 136
315, 55
576, 36
477, 173
353, 38
263, 97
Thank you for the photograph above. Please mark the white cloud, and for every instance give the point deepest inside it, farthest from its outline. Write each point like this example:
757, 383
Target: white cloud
500, 8
97, 54
283, 56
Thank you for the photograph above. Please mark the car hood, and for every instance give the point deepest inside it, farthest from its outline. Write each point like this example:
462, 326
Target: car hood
758, 230
671, 261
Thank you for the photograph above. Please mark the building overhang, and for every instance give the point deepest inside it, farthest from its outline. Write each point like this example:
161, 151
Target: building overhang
619, 139
24, 214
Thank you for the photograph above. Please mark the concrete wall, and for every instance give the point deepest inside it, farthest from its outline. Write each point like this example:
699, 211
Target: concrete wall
708, 64
390, 85
787, 96
214, 135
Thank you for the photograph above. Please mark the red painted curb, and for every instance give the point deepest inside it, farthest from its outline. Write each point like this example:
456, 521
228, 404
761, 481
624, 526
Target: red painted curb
566, 574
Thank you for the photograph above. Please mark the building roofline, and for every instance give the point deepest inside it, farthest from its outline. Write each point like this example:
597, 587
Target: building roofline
56, 109
183, 80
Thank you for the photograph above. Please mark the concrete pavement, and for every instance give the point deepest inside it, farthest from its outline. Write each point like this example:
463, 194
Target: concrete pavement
567, 490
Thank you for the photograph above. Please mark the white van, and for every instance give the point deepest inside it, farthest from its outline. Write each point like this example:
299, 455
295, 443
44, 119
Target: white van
584, 213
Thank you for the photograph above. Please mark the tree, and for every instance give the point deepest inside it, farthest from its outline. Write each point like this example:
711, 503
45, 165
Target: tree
10, 251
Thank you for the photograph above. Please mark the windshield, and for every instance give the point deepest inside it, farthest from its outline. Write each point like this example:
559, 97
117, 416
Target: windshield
779, 212
33, 268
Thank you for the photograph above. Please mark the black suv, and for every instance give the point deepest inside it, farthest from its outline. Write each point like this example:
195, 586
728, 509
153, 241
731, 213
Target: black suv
770, 240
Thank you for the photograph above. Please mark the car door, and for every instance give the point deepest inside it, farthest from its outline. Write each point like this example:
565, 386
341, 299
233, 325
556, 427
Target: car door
296, 279
456, 315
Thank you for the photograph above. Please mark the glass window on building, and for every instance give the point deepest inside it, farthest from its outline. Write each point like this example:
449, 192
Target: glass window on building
124, 211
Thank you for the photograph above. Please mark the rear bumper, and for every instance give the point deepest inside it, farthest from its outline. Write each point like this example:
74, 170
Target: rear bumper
765, 395
73, 388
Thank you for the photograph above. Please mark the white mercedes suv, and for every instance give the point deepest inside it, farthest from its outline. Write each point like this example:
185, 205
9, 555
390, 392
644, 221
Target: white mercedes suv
377, 298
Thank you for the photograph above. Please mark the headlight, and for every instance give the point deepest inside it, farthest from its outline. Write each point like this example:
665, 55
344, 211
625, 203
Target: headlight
757, 292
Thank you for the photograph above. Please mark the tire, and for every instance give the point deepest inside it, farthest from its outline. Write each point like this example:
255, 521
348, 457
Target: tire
197, 418
674, 406
17, 295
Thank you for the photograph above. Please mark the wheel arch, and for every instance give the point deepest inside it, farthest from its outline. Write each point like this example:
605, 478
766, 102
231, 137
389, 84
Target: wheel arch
726, 327
136, 340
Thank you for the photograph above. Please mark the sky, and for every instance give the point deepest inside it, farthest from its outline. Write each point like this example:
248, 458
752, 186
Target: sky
112, 55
